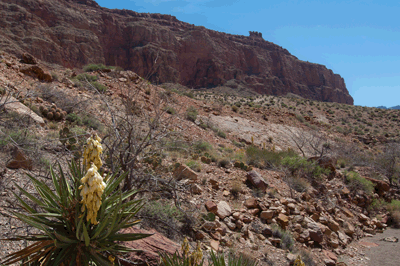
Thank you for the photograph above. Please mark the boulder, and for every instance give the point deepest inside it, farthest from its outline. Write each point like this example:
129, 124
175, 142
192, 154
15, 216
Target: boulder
196, 189
333, 225
343, 238
37, 72
223, 209
211, 206
13, 105
151, 246
267, 215
28, 59
283, 220
380, 186
251, 203
184, 172
214, 244
267, 231
256, 180
316, 233
19, 160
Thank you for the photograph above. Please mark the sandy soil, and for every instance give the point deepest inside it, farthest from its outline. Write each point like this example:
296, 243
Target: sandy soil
373, 251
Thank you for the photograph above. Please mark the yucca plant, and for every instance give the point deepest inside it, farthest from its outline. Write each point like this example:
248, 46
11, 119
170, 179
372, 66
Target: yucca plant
68, 233
184, 258
233, 260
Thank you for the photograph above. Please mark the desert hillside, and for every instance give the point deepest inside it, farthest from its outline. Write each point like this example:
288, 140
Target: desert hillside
161, 49
267, 177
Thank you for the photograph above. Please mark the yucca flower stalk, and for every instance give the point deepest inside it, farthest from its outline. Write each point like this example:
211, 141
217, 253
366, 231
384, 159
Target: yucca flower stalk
68, 235
185, 258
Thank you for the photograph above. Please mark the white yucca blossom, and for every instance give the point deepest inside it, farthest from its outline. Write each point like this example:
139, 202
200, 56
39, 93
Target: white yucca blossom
92, 152
91, 192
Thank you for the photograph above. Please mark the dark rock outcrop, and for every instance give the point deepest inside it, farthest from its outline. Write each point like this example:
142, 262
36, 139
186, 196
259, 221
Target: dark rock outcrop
161, 48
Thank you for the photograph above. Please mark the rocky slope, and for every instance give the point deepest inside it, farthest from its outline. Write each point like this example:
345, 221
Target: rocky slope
73, 33
321, 220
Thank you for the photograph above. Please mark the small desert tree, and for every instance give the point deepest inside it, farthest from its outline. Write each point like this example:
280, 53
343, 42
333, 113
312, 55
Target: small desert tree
388, 163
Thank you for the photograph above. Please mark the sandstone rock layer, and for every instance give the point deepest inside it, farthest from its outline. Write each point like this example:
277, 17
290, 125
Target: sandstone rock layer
161, 48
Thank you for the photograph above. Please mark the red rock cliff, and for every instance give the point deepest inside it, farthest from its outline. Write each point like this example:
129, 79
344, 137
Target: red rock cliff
160, 47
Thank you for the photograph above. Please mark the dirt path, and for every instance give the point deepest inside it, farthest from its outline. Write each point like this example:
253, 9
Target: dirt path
373, 251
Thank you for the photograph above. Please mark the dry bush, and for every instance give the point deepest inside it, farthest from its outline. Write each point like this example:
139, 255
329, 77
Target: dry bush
237, 188
396, 219
138, 133
66, 102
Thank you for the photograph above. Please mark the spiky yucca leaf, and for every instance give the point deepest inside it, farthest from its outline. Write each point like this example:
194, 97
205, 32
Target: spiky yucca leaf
66, 238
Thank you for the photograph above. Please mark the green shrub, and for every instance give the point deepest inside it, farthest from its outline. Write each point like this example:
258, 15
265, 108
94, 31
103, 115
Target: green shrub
394, 205
95, 67
356, 183
86, 77
100, 87
191, 114
287, 241
265, 158
91, 122
189, 94
221, 134
72, 117
202, 146
301, 167
194, 165
238, 144
300, 118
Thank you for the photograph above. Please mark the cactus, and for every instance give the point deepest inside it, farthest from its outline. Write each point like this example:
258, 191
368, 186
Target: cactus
57, 116
58, 110
50, 115
45, 112
41, 108
236, 164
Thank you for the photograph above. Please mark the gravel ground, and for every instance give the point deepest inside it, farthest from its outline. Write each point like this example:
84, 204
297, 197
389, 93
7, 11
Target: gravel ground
373, 251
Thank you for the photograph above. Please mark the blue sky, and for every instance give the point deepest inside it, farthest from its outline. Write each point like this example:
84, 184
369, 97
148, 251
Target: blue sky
360, 40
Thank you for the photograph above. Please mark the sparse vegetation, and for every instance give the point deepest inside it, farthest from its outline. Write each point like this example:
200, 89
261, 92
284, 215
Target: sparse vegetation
95, 67
356, 183
194, 165
191, 114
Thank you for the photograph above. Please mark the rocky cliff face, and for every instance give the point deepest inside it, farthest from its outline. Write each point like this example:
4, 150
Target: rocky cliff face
160, 47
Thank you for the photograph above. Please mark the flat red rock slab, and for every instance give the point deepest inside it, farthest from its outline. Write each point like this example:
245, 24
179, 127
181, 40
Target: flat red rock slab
150, 246
368, 244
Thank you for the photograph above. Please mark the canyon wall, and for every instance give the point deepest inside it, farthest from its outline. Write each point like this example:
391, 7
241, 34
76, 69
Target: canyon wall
161, 48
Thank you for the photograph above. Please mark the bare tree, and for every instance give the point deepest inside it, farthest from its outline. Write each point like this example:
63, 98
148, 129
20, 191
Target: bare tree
137, 132
388, 163
310, 143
